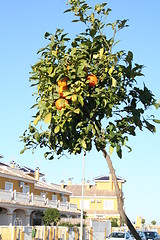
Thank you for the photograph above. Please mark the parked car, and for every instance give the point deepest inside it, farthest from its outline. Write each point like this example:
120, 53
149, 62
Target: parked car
119, 235
141, 234
152, 235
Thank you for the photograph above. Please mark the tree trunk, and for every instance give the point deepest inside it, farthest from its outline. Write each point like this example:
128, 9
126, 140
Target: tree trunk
119, 197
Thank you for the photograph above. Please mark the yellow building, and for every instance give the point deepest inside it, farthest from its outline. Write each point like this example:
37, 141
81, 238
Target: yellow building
100, 200
24, 195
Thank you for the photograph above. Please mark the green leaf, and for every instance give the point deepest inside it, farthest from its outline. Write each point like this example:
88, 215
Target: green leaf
47, 118
119, 150
114, 82
74, 97
57, 129
129, 57
77, 111
96, 56
156, 120
50, 69
150, 127
36, 120
47, 34
83, 144
130, 149
75, 20
68, 10
37, 136
157, 104
111, 149
104, 102
22, 151
111, 70
80, 99
31, 129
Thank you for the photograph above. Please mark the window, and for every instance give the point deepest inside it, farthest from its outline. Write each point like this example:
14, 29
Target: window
54, 197
26, 189
156, 234
108, 205
127, 235
8, 186
117, 235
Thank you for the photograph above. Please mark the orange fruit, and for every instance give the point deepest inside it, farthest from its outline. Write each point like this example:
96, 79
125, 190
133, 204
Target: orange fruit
60, 103
61, 89
68, 67
92, 80
63, 82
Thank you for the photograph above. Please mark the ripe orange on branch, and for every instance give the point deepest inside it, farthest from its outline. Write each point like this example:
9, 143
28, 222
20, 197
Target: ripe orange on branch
92, 80
63, 82
61, 103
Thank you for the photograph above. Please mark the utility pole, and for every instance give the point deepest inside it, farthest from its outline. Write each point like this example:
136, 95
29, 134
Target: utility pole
82, 198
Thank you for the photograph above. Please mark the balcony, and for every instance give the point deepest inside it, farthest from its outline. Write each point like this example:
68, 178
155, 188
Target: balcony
6, 195
36, 200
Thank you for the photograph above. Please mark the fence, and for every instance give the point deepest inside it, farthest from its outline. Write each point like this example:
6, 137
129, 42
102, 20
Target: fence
43, 233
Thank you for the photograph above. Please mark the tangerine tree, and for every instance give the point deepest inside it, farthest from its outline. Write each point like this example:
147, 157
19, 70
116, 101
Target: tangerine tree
87, 92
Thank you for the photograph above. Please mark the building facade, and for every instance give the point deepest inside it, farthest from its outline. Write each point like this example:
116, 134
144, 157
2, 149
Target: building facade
25, 195
100, 201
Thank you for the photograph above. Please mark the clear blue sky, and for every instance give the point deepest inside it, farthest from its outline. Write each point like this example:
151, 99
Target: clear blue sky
23, 24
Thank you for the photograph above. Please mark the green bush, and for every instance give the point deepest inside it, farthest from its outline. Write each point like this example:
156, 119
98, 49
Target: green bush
114, 222
51, 217
66, 224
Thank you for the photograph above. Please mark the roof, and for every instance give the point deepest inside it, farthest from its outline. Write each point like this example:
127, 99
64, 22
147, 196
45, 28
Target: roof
23, 175
92, 191
28, 170
25, 169
51, 187
106, 179
14, 173
3, 164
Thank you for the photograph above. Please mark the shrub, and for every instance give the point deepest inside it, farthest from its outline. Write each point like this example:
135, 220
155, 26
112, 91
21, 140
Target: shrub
51, 217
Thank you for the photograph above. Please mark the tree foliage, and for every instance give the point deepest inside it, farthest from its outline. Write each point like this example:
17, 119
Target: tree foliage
153, 222
51, 217
114, 222
143, 221
105, 114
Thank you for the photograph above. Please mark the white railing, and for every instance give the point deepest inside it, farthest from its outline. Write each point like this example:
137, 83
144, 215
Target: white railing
6, 195
51, 203
21, 197
72, 207
62, 205
38, 199
9, 196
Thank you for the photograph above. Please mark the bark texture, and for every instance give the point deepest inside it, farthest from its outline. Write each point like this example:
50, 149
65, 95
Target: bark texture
119, 197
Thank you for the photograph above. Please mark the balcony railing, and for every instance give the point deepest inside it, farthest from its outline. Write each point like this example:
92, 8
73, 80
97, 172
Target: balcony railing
21, 197
32, 199
51, 203
38, 200
6, 195
63, 205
